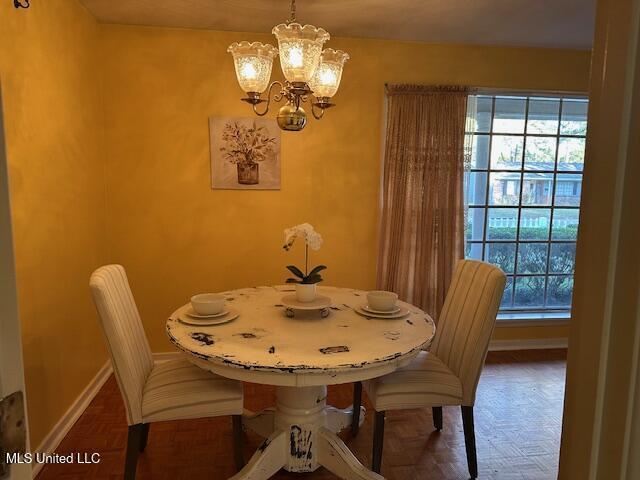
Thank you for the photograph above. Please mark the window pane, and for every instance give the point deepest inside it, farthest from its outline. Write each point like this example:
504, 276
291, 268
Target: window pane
509, 115
537, 189
563, 258
568, 189
501, 254
532, 258
480, 151
543, 115
574, 117
502, 223
473, 251
507, 297
529, 292
483, 114
540, 153
475, 188
535, 223
571, 154
506, 152
475, 224
504, 188
565, 224
559, 290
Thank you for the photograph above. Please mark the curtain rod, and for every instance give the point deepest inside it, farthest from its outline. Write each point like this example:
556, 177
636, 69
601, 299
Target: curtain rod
529, 91
505, 91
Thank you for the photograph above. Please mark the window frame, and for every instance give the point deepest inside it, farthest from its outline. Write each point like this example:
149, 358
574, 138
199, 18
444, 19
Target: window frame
511, 310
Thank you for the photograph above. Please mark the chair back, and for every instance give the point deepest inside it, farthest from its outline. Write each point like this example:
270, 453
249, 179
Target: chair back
467, 320
127, 343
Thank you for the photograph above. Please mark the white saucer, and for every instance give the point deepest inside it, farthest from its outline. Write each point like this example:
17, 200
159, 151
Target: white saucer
320, 302
229, 316
192, 313
403, 312
367, 308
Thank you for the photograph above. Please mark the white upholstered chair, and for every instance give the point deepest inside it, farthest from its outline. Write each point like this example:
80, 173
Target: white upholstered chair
448, 374
155, 392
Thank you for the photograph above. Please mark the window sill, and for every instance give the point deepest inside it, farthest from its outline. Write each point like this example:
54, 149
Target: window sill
533, 319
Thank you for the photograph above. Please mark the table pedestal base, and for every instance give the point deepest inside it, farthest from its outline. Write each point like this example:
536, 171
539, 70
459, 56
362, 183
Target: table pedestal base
301, 436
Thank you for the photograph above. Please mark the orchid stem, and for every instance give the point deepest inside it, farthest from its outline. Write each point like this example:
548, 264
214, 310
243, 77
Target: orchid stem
306, 259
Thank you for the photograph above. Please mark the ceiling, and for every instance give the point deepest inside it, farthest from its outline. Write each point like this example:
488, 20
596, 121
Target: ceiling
537, 23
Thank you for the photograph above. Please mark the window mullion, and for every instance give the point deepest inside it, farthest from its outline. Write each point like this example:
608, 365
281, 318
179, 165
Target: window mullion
486, 193
553, 203
524, 149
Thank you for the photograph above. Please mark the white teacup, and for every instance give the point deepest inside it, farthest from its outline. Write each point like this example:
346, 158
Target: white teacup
208, 303
382, 300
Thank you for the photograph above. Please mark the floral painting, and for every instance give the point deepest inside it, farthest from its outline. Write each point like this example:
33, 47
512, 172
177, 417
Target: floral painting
245, 153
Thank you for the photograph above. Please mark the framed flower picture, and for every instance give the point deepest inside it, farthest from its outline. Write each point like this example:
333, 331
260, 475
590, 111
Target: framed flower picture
245, 153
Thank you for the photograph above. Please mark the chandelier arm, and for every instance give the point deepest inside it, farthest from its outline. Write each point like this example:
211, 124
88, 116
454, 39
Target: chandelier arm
317, 116
276, 98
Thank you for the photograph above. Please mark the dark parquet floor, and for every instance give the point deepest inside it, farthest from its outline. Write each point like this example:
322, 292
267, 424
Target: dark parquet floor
518, 421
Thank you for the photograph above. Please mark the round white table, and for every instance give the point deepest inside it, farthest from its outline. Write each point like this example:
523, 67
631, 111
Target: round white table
301, 356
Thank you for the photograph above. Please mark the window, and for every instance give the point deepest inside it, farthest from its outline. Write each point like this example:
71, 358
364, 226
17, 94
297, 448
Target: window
522, 191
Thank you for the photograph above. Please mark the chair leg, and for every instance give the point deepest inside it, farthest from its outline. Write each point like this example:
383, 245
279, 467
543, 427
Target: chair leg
378, 442
437, 418
470, 441
238, 444
144, 436
133, 450
357, 402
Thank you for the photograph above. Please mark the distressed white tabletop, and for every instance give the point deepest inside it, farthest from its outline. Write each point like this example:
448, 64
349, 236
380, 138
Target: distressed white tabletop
307, 349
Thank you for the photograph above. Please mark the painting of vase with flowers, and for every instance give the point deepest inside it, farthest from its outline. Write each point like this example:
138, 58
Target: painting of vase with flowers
245, 153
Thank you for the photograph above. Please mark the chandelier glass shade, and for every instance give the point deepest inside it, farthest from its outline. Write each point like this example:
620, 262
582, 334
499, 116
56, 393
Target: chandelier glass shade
308, 69
326, 78
300, 50
253, 62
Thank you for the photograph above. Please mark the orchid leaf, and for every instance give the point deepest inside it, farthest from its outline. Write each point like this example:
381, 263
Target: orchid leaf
295, 270
317, 269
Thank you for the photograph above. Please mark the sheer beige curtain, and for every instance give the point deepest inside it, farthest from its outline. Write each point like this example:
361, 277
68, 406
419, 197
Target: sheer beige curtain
422, 234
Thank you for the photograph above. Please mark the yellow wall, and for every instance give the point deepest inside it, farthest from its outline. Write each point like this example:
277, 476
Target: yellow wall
53, 122
176, 236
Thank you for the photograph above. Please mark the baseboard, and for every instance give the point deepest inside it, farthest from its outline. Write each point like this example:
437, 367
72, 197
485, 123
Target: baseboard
528, 344
60, 430
77, 408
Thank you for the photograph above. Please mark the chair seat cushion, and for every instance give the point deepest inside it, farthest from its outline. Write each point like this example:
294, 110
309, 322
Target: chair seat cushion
178, 390
425, 382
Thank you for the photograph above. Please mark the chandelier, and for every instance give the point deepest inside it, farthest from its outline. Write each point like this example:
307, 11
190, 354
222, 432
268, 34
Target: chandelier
308, 69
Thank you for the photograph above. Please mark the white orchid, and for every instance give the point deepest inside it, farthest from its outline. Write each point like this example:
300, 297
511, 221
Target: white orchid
305, 230
311, 239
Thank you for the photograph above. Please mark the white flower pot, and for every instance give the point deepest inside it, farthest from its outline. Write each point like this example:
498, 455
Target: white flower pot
306, 292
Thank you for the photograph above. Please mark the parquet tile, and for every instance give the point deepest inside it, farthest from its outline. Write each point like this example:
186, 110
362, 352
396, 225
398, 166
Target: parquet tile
518, 420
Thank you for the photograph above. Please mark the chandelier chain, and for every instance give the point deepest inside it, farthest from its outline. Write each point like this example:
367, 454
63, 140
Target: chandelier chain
292, 15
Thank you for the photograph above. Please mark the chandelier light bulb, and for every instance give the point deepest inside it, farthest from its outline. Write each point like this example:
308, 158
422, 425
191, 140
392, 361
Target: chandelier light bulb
249, 71
295, 57
328, 77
